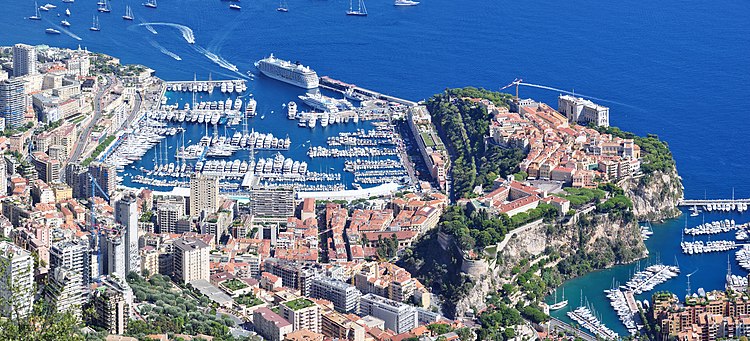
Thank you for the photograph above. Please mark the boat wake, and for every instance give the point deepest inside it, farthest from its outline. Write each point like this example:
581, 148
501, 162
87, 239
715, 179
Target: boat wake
187, 32
164, 50
64, 30
220, 61
149, 27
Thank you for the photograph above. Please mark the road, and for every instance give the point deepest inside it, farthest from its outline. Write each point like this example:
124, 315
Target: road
86, 133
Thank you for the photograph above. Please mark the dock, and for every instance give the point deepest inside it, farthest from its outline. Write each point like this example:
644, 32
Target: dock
739, 205
354, 91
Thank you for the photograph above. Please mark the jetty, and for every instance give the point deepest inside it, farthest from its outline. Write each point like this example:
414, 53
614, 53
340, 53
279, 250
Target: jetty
726, 205
359, 93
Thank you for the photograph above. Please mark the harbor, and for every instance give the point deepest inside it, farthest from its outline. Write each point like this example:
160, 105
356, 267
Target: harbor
217, 127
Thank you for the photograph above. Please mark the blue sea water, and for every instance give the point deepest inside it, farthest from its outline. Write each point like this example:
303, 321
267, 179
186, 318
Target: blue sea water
679, 69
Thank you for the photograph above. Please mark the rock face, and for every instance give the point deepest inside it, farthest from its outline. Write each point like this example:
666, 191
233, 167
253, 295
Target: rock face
655, 196
600, 233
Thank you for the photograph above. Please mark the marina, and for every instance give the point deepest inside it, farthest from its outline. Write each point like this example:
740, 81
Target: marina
584, 316
698, 247
209, 126
715, 227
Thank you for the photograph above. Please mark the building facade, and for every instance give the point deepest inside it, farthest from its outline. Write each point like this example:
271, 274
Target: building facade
190, 259
12, 103
16, 280
398, 317
345, 297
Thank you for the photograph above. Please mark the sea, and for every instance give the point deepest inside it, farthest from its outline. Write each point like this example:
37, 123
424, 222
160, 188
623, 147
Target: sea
678, 69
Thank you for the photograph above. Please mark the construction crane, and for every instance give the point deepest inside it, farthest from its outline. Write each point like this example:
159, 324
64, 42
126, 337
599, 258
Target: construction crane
94, 187
516, 82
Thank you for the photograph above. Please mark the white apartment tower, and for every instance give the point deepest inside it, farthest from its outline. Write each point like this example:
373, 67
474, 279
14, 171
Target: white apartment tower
204, 194
399, 317
16, 280
190, 260
116, 255
126, 214
24, 60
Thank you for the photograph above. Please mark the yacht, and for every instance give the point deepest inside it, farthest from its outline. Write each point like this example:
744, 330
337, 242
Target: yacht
65, 23
128, 13
360, 11
291, 110
561, 304
50, 6
235, 6
283, 6
36, 15
150, 4
405, 3
95, 24
67, 11
104, 8
51, 31
44, 8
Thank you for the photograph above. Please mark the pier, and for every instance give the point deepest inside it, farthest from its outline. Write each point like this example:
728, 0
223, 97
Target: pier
739, 205
351, 90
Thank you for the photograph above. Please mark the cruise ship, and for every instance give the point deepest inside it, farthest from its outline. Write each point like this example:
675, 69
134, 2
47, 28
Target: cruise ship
286, 71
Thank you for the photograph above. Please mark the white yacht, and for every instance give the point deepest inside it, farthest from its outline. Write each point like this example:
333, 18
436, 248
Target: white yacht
405, 3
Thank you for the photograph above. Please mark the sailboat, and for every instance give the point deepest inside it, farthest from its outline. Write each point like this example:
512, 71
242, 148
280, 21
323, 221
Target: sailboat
283, 6
561, 304
67, 11
361, 9
128, 13
104, 8
95, 24
36, 15
150, 4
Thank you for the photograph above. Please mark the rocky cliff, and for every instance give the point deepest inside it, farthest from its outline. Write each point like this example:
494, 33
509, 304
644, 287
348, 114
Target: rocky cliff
655, 196
616, 240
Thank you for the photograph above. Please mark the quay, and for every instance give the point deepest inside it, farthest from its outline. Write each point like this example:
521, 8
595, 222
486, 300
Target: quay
351, 90
739, 205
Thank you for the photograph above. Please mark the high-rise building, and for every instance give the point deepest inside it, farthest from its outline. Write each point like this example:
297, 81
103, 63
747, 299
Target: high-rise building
167, 216
112, 303
105, 176
190, 259
46, 167
272, 203
24, 60
75, 177
74, 256
204, 194
398, 317
302, 314
292, 275
345, 297
3, 177
16, 280
116, 254
12, 102
126, 214
64, 291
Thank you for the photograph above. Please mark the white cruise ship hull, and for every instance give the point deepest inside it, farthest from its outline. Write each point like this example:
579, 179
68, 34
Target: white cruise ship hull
304, 85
